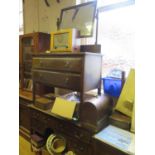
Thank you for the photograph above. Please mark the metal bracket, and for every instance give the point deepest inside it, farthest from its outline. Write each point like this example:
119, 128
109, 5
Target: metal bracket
47, 3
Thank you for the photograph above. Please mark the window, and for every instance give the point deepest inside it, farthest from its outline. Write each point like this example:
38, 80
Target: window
115, 34
21, 27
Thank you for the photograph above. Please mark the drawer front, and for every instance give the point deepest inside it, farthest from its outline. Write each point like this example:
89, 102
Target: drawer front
73, 131
24, 116
38, 126
101, 148
78, 148
59, 64
43, 121
63, 80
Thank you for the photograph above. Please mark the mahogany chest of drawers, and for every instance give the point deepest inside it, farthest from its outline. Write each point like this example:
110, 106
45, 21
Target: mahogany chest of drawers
79, 72
76, 71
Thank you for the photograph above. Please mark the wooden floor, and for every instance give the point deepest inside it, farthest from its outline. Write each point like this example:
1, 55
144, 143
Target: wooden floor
25, 147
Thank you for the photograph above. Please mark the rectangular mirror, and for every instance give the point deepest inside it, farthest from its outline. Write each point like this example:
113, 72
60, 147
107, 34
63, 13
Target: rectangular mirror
80, 17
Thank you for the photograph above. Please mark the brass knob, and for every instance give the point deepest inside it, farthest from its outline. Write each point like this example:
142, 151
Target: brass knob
81, 148
40, 75
41, 62
66, 80
67, 64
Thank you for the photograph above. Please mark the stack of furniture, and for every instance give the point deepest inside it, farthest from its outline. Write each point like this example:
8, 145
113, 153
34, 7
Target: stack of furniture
28, 45
79, 72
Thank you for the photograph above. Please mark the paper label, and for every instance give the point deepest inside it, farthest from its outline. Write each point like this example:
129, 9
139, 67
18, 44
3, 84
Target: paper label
64, 108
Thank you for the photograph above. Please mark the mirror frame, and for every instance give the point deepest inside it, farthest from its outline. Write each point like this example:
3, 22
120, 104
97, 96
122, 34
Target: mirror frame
94, 3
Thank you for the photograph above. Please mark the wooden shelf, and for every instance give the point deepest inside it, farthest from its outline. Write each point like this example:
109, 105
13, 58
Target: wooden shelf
33, 43
26, 94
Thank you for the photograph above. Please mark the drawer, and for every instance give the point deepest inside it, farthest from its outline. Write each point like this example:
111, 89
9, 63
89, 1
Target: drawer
101, 148
40, 117
76, 133
38, 126
48, 121
24, 116
57, 79
78, 147
58, 64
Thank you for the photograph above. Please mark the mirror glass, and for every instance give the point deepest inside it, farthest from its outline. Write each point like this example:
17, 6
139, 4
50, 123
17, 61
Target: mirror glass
80, 17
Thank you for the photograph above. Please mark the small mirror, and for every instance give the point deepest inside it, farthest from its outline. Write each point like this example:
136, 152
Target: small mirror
80, 17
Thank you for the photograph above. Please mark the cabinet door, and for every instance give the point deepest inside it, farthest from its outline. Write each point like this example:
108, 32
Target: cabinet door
24, 116
104, 149
77, 146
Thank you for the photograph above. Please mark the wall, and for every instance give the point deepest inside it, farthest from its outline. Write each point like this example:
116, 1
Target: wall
39, 17
30, 13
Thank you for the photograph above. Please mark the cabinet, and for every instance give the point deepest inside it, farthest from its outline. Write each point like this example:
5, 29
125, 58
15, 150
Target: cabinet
29, 44
24, 116
79, 72
101, 148
44, 123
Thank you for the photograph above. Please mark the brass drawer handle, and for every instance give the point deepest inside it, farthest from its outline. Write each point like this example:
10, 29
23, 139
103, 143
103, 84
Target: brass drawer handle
67, 64
40, 75
66, 80
41, 63
81, 148
44, 64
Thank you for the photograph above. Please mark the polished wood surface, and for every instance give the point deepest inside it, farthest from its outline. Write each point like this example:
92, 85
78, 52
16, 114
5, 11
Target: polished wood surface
95, 112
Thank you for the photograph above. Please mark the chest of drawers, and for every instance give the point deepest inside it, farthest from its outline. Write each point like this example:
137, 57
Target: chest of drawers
81, 68
79, 72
